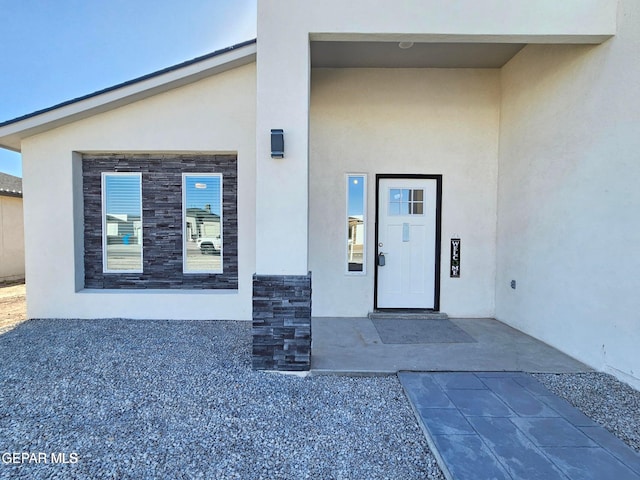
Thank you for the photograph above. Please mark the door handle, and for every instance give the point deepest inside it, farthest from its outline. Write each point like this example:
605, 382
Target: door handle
381, 259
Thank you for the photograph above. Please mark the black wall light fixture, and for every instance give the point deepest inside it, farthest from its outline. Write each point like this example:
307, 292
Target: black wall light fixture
277, 143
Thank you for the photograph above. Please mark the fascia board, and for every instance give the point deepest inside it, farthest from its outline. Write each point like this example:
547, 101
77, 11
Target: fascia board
560, 39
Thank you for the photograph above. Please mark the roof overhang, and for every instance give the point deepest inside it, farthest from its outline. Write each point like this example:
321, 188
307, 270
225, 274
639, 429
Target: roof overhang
10, 193
12, 132
362, 50
409, 54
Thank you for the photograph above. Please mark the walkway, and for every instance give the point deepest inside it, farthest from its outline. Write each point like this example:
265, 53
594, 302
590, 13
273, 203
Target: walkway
506, 425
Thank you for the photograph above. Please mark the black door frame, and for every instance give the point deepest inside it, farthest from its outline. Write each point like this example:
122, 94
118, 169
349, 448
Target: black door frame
438, 179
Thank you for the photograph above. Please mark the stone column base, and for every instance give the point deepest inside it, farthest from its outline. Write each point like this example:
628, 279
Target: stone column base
281, 328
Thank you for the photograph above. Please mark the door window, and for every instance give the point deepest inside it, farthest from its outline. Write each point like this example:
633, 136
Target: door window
406, 201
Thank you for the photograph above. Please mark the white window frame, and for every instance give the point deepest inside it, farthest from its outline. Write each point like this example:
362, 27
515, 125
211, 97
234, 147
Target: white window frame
184, 224
104, 175
345, 257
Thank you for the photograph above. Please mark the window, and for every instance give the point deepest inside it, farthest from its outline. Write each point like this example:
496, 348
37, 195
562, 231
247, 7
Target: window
121, 222
160, 263
356, 221
202, 222
404, 201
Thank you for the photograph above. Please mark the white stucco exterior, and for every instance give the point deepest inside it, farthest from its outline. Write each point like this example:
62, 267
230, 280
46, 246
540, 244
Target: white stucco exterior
404, 121
213, 115
11, 238
568, 229
538, 161
284, 69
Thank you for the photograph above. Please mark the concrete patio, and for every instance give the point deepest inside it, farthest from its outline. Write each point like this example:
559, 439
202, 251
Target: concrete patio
354, 346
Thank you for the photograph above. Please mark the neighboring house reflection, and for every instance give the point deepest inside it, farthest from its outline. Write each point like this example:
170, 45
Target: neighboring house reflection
124, 229
356, 243
202, 223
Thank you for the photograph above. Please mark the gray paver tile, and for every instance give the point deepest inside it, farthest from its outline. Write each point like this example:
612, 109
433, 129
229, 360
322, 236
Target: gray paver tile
500, 374
552, 432
459, 381
424, 391
568, 411
522, 459
518, 399
411, 378
411, 381
468, 458
445, 421
482, 403
614, 446
514, 428
532, 385
589, 464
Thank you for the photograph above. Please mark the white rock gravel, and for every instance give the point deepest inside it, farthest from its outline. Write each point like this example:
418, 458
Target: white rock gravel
178, 399
603, 398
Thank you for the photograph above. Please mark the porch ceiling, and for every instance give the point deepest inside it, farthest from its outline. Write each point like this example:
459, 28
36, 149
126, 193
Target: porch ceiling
376, 54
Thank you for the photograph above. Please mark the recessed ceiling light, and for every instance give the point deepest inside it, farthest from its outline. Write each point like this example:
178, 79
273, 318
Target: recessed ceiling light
405, 45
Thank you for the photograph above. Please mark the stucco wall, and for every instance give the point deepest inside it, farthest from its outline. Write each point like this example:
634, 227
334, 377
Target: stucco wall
284, 29
11, 239
568, 223
215, 115
413, 121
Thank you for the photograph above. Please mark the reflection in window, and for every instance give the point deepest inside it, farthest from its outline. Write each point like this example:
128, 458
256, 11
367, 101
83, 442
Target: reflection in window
121, 222
202, 220
404, 201
356, 208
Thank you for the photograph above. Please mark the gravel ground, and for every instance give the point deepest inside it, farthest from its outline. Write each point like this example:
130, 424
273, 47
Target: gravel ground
603, 398
178, 399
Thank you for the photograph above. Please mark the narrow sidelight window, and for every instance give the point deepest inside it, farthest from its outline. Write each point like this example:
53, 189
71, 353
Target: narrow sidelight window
202, 222
122, 222
356, 223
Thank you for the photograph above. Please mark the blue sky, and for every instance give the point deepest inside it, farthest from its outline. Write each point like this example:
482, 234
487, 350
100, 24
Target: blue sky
123, 193
356, 195
202, 191
57, 50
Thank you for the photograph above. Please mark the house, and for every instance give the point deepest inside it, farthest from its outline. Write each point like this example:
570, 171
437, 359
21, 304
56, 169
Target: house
11, 229
507, 128
201, 223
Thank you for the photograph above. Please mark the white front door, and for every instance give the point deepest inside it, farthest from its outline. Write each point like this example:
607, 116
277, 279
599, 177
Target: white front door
407, 231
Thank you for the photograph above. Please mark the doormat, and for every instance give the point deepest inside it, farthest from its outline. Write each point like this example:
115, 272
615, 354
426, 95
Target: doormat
405, 331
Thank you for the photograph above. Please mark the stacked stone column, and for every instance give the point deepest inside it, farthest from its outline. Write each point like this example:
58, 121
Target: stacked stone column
281, 322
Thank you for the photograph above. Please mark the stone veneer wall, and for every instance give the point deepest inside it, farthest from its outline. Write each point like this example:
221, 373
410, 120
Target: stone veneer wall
161, 220
281, 322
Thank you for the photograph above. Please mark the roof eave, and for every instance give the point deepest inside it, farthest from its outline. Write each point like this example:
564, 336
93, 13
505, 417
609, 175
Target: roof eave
14, 131
10, 193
